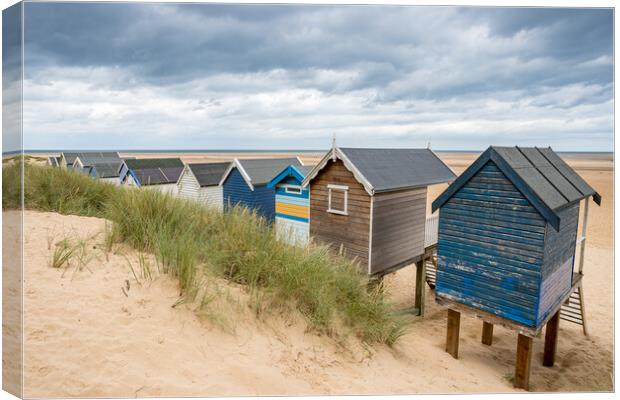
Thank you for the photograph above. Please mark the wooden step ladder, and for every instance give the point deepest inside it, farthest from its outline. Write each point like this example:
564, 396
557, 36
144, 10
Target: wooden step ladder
431, 271
573, 310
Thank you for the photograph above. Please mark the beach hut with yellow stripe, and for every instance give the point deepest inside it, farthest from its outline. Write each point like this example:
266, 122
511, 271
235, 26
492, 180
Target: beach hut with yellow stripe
292, 204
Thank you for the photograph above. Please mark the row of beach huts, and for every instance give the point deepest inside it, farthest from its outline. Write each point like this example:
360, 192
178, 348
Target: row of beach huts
506, 235
369, 204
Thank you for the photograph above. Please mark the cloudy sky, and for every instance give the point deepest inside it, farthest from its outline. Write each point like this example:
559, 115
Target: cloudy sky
190, 76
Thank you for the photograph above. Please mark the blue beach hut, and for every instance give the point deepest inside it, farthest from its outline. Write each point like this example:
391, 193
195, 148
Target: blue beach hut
506, 245
292, 204
245, 183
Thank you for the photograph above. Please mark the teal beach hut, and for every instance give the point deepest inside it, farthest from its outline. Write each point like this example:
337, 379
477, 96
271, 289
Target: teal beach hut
292, 204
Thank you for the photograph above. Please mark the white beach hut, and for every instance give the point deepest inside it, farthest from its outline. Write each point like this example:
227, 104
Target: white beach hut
200, 182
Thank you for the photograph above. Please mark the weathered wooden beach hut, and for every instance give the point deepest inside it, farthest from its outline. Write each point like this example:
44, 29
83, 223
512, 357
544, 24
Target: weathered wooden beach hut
370, 204
201, 182
292, 204
105, 171
506, 245
245, 183
152, 173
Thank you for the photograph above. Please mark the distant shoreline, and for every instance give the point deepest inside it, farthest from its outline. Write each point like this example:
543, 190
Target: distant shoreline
315, 151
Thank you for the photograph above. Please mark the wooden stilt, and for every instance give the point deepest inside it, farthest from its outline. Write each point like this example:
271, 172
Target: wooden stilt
420, 286
524, 358
452, 335
583, 310
487, 333
551, 340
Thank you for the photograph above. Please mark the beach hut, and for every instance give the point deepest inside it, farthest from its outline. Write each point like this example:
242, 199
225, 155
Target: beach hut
105, 171
152, 173
53, 161
292, 204
87, 158
201, 182
99, 165
245, 183
506, 245
370, 204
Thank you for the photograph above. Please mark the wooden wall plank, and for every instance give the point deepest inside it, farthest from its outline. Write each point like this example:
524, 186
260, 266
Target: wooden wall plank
398, 228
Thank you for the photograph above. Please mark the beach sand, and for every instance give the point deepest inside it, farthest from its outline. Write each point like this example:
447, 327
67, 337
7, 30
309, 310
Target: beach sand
85, 337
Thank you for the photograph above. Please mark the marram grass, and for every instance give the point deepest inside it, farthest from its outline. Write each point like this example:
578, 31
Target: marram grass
188, 239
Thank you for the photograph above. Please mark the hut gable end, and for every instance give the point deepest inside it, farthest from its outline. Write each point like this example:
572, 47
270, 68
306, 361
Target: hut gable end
491, 247
347, 232
189, 188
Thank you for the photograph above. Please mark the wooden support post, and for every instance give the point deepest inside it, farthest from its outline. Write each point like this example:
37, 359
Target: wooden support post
420, 286
583, 309
452, 335
487, 333
584, 228
551, 340
524, 358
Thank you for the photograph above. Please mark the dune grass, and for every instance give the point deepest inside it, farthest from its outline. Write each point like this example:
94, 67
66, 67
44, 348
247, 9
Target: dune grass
189, 239
62, 254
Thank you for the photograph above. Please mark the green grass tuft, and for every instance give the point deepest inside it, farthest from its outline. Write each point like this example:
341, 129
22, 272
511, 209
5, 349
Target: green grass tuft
63, 253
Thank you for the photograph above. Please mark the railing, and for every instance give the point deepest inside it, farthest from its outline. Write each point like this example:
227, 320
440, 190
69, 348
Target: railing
431, 230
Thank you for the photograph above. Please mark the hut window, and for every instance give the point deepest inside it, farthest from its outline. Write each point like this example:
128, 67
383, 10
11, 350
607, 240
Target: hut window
293, 189
337, 199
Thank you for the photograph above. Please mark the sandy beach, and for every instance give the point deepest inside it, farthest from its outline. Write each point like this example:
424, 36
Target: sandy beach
98, 330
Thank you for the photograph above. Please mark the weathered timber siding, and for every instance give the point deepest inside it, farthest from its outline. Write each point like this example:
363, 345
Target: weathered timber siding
113, 180
490, 248
291, 231
292, 212
265, 202
397, 228
237, 192
558, 261
190, 189
212, 196
351, 232
166, 188
123, 173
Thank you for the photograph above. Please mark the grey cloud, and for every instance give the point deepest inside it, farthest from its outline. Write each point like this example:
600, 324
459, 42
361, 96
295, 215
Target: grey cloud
231, 61
170, 43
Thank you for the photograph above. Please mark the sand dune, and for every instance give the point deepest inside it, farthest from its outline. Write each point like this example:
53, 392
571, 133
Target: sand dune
85, 337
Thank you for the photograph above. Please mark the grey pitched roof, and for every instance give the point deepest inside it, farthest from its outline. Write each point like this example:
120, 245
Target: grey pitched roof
156, 171
90, 157
144, 163
305, 169
106, 169
158, 176
540, 174
208, 174
262, 170
394, 169
547, 175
